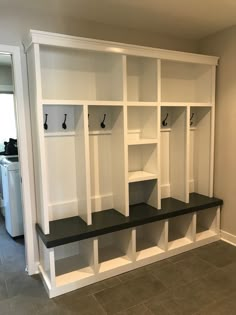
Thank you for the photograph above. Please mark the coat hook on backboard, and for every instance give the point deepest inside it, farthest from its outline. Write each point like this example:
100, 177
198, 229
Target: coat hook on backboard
103, 122
191, 122
64, 126
164, 121
45, 125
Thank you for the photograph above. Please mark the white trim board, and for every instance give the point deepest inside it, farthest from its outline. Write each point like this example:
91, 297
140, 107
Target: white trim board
61, 40
21, 108
228, 237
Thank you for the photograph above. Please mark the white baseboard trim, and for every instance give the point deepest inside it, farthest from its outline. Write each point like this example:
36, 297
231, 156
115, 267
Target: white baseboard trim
227, 237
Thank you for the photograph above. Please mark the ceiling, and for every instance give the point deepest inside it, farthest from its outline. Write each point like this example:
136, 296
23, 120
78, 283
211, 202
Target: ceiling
190, 19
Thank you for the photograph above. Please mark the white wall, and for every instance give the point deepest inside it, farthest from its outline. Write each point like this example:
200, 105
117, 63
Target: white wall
223, 44
15, 24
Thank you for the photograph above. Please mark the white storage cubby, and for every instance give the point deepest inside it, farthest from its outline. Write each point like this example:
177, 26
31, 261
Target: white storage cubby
65, 157
68, 263
180, 231
207, 223
141, 79
174, 153
107, 151
144, 192
142, 162
186, 82
150, 240
80, 74
142, 125
115, 250
127, 144
201, 157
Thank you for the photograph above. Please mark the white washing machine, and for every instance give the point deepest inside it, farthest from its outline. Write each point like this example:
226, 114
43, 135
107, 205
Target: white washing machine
11, 187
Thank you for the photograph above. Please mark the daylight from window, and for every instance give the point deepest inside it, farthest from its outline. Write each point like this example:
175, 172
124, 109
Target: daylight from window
7, 119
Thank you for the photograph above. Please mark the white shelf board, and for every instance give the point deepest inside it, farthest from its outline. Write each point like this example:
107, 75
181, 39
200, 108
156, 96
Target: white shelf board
80, 102
139, 176
148, 252
114, 263
142, 141
74, 276
185, 104
144, 104
59, 134
165, 129
71, 269
204, 235
179, 243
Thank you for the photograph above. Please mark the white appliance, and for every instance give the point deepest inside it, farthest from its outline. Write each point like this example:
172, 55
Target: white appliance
11, 187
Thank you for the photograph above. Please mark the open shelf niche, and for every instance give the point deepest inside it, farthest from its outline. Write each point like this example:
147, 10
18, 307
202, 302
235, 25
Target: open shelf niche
207, 223
201, 158
141, 79
180, 231
186, 82
174, 153
115, 250
144, 192
142, 125
80, 74
107, 158
68, 263
142, 162
150, 240
66, 197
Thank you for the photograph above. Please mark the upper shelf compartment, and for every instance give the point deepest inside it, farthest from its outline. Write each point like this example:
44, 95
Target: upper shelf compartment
141, 79
186, 82
71, 74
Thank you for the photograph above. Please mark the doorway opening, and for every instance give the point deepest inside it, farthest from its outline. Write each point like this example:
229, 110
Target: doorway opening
12, 248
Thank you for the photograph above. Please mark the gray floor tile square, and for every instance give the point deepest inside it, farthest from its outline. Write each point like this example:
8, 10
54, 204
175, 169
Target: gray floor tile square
116, 299
145, 287
136, 310
170, 275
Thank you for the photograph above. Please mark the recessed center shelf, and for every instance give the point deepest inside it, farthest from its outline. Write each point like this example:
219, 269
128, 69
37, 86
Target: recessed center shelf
138, 176
74, 229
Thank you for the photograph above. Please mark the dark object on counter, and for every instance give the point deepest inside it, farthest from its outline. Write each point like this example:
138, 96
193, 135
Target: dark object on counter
10, 147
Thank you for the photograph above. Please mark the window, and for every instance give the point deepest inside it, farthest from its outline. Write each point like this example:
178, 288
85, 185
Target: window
7, 119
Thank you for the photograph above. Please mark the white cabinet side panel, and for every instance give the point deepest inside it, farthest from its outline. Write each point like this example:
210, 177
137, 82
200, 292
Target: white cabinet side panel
33, 61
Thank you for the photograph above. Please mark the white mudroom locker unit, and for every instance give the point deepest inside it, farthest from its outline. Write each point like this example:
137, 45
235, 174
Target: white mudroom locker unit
123, 141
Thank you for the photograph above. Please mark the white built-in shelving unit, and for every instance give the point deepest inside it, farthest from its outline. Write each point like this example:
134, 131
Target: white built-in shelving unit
116, 125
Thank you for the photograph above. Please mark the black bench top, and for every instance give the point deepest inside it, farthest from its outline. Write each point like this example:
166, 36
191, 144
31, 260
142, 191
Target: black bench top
73, 229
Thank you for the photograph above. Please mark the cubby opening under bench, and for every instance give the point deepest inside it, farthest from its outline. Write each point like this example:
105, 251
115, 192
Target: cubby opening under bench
75, 254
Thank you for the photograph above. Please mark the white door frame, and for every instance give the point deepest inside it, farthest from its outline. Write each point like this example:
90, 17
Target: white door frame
25, 152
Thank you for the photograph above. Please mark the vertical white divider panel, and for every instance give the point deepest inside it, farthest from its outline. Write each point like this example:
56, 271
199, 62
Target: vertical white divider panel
87, 250
187, 166
217, 226
134, 246
165, 235
194, 226
124, 242
36, 107
125, 113
52, 267
118, 160
211, 175
178, 155
82, 163
158, 133
204, 149
96, 258
190, 231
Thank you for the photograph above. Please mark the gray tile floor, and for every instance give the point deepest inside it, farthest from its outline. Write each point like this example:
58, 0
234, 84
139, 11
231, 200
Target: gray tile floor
201, 282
